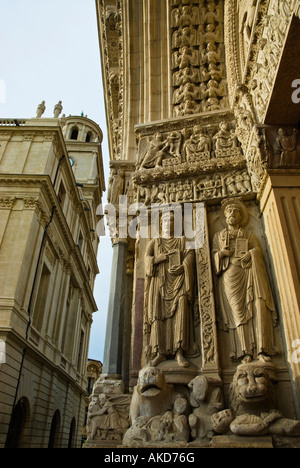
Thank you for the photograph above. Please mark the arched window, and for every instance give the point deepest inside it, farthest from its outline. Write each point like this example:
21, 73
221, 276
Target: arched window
54, 431
89, 137
74, 133
19, 417
71, 442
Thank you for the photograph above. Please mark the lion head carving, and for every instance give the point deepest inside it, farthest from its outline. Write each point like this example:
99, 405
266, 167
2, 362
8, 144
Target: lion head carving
152, 395
252, 388
151, 382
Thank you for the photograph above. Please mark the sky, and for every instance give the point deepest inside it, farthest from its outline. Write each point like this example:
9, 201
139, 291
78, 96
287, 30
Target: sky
50, 51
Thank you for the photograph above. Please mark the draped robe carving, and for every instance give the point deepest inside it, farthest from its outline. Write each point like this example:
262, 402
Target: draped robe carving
168, 298
246, 302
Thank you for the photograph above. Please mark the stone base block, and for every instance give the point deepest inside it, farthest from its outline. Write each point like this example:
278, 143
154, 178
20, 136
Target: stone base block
233, 441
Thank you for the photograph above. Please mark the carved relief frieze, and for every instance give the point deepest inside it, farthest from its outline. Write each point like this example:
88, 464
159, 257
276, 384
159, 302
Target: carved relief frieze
199, 143
198, 72
208, 160
204, 187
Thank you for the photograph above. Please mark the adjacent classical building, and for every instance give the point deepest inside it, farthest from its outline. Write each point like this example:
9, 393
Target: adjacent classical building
52, 181
202, 100
93, 372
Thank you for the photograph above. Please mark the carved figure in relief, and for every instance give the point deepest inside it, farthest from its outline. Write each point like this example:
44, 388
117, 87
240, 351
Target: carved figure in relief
174, 144
179, 192
247, 9
116, 186
188, 106
288, 147
212, 54
186, 75
246, 303
155, 151
186, 36
212, 33
185, 57
240, 183
212, 104
230, 185
188, 91
215, 72
108, 417
225, 139
145, 195
209, 187
214, 89
206, 399
185, 16
161, 150
244, 124
198, 143
212, 13
168, 295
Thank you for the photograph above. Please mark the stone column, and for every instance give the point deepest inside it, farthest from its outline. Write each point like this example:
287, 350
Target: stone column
280, 205
126, 353
112, 366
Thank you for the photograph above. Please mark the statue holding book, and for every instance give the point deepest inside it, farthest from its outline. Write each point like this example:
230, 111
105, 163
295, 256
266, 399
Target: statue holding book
245, 299
168, 296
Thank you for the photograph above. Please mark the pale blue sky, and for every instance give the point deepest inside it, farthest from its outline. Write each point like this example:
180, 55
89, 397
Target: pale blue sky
50, 51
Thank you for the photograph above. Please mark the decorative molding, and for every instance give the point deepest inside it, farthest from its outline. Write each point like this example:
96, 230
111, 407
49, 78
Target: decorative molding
7, 203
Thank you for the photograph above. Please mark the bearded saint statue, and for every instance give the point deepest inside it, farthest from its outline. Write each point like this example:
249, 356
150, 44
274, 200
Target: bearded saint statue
246, 303
168, 296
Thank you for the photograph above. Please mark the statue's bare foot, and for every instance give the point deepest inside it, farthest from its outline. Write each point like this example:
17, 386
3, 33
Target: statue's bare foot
263, 357
159, 358
247, 358
181, 361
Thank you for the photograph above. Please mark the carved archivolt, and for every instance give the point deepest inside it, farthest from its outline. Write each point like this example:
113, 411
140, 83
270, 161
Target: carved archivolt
255, 32
111, 28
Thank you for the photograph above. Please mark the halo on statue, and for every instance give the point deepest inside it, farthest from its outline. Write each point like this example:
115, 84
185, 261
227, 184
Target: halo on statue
238, 202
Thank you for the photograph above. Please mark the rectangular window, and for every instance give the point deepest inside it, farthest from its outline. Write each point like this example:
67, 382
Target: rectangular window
41, 301
80, 241
80, 351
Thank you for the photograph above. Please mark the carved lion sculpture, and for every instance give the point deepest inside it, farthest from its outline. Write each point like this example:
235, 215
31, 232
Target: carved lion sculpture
157, 412
252, 389
252, 404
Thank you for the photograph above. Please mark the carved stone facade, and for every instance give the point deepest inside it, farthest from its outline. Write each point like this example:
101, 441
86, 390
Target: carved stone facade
210, 127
